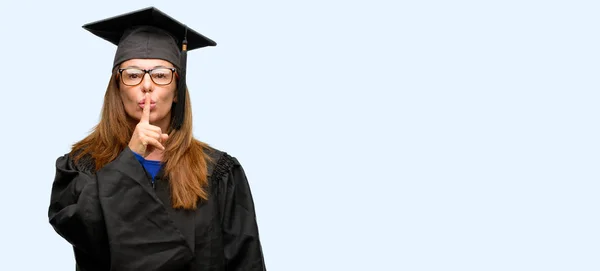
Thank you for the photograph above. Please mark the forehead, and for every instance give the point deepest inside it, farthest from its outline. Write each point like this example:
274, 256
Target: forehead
145, 63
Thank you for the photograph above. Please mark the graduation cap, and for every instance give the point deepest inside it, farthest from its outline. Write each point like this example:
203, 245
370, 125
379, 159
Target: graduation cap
150, 33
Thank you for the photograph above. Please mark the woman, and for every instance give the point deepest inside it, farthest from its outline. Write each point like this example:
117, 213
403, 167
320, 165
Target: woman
140, 193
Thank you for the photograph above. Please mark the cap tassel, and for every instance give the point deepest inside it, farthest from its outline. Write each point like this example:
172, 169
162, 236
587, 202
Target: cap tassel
179, 107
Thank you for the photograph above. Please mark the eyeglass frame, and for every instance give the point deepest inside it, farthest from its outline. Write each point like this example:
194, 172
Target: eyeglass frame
120, 71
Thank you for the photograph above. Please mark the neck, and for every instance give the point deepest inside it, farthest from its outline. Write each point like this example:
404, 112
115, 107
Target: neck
155, 155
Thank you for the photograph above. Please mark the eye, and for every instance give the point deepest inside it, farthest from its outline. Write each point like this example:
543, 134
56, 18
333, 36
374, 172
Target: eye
133, 74
161, 74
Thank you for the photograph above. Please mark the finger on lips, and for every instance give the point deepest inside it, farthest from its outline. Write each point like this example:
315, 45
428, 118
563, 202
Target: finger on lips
146, 110
146, 133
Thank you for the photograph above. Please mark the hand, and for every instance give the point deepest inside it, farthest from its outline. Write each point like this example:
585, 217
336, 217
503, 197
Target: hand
146, 137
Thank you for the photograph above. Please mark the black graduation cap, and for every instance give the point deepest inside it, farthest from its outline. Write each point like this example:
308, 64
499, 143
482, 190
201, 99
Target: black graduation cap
150, 33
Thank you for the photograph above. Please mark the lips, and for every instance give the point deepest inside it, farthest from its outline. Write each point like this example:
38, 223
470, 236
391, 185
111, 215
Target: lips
143, 104
143, 101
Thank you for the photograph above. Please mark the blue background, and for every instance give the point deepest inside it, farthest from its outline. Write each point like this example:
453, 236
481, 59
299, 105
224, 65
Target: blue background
376, 135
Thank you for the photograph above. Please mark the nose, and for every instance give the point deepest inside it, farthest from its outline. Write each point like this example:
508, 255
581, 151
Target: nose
147, 83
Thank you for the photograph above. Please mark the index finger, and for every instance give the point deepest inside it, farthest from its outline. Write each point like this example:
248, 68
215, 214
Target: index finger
146, 110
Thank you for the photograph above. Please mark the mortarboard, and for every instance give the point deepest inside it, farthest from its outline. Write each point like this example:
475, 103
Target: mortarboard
150, 33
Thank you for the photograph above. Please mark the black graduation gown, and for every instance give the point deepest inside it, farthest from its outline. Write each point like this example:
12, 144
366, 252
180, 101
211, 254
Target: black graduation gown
115, 219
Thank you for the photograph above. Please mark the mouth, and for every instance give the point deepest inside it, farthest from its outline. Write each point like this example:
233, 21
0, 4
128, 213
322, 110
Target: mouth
143, 100
142, 105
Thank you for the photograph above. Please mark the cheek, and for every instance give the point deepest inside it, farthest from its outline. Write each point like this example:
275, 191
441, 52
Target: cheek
169, 99
127, 95
169, 96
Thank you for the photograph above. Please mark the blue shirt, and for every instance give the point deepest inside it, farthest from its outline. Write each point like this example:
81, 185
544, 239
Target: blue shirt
151, 166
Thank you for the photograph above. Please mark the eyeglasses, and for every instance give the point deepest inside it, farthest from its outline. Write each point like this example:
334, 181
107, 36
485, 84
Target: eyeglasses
133, 76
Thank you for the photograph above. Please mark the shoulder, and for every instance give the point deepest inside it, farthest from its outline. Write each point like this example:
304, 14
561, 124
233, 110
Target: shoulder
220, 162
77, 161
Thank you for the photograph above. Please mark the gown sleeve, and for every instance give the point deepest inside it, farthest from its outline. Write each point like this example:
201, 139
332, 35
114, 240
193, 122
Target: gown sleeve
242, 247
75, 214
115, 218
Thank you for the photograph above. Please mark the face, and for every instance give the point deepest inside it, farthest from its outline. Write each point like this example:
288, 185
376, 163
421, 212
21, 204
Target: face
162, 96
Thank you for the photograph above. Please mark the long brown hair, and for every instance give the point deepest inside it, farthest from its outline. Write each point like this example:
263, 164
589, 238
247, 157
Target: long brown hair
184, 159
